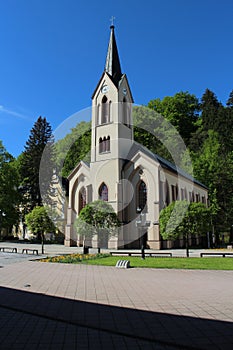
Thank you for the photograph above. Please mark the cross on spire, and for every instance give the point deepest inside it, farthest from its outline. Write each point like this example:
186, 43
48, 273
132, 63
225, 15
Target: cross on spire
112, 20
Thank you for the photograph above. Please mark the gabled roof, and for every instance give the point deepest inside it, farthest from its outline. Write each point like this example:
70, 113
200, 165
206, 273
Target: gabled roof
124, 77
137, 147
76, 169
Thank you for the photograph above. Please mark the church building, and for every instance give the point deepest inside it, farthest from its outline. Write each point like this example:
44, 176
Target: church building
136, 182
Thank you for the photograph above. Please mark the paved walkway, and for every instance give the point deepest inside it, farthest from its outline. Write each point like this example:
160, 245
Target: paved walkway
61, 306
58, 249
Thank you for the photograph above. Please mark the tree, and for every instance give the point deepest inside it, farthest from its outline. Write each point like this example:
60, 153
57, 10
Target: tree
97, 218
40, 137
209, 108
156, 133
80, 150
73, 148
216, 171
181, 110
39, 222
195, 221
9, 196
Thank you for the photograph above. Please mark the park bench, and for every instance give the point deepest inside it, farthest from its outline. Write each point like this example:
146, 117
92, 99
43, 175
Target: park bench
8, 249
27, 251
139, 253
223, 254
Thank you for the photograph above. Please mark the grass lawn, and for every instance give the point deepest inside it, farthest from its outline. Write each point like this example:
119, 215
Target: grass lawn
213, 263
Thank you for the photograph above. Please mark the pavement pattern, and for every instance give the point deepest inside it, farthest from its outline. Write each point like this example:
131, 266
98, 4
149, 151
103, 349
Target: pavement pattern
62, 306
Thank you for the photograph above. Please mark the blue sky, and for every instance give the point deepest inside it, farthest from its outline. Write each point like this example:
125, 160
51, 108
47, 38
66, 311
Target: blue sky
53, 54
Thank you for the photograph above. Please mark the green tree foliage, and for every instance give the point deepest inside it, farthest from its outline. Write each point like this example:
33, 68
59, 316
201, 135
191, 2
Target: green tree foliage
230, 100
181, 110
40, 137
9, 196
157, 134
209, 107
216, 171
195, 221
97, 218
149, 131
73, 148
39, 222
214, 116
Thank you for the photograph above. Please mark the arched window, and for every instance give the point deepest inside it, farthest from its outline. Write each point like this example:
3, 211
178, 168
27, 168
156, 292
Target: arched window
141, 195
125, 114
109, 111
100, 145
167, 193
82, 198
103, 192
104, 144
108, 144
105, 111
98, 119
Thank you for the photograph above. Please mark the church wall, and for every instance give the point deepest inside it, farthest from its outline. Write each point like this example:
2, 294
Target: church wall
106, 172
146, 170
185, 184
78, 179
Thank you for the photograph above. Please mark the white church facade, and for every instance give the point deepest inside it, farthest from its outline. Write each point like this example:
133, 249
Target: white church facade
122, 172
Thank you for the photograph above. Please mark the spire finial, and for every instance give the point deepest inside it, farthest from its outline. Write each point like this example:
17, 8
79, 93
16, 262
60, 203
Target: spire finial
112, 21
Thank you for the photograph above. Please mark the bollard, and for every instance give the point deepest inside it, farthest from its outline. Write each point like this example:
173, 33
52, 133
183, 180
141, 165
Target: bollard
123, 264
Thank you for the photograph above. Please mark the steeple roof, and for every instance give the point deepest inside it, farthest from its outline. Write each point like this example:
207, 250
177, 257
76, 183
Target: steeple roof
112, 65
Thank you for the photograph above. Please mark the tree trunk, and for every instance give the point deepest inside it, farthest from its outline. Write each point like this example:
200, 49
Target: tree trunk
187, 245
42, 243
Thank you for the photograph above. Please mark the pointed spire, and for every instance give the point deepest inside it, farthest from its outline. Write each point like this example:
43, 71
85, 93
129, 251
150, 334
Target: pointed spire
112, 65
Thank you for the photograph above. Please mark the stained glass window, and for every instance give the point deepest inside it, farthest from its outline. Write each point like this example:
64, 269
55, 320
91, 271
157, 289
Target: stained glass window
103, 192
82, 198
142, 195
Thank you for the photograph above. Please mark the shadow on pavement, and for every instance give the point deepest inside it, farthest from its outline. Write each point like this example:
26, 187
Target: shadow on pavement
98, 326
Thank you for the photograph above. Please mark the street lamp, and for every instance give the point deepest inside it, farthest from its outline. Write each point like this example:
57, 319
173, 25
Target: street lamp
141, 225
2, 214
231, 235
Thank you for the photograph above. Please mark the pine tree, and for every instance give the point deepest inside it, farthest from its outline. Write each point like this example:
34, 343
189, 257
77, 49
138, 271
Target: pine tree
209, 106
39, 140
230, 100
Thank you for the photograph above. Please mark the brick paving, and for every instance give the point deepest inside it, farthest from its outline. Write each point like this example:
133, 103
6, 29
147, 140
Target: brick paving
62, 306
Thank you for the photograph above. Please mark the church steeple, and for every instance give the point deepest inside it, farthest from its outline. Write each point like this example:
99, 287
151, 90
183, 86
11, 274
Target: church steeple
112, 65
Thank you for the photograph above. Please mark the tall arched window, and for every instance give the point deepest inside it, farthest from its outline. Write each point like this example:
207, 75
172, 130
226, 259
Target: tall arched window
104, 144
108, 144
98, 118
141, 195
167, 193
125, 114
103, 192
100, 145
105, 111
109, 111
82, 198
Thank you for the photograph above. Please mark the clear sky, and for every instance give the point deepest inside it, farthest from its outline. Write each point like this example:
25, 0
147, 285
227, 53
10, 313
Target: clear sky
53, 54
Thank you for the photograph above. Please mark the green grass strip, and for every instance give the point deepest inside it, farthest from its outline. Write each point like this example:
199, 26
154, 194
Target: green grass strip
209, 263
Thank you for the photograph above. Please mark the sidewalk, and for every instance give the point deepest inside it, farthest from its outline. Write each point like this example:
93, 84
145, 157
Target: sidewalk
62, 306
59, 249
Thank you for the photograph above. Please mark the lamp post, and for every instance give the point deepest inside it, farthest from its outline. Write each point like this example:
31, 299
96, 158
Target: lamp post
2, 214
141, 225
231, 235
